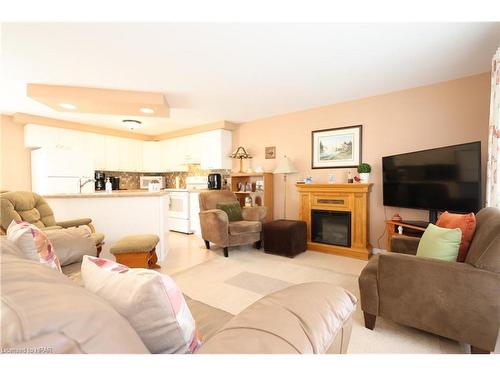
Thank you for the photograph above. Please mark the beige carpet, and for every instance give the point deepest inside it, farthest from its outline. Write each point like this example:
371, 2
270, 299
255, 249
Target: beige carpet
233, 283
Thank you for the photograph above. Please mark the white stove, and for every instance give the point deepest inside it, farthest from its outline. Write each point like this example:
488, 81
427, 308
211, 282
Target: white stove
184, 207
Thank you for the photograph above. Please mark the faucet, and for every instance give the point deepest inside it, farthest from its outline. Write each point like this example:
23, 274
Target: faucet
85, 183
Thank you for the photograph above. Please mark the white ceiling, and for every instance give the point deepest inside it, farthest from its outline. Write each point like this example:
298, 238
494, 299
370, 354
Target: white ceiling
236, 72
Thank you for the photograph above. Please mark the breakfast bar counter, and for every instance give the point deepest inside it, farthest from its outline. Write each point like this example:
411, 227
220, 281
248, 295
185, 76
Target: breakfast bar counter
114, 194
118, 214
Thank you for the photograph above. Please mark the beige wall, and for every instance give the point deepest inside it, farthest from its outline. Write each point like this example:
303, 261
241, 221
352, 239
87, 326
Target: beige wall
15, 159
431, 116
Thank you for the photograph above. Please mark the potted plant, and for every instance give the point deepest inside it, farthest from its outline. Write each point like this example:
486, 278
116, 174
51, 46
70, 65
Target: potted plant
364, 170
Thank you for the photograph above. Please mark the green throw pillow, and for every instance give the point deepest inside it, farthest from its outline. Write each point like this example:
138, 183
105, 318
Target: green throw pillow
232, 209
440, 243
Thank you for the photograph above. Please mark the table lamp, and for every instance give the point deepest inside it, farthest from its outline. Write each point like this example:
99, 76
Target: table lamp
241, 154
285, 167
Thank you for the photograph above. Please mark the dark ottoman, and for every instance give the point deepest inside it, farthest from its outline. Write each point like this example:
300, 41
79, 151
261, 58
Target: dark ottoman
285, 237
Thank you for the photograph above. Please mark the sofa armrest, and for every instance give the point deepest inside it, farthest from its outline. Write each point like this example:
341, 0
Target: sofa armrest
214, 226
74, 222
451, 299
304, 318
404, 244
256, 213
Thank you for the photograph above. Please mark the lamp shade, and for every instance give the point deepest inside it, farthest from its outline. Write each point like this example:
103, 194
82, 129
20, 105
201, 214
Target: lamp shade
285, 166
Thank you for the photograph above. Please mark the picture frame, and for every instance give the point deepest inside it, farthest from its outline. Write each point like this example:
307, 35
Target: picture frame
336, 147
270, 152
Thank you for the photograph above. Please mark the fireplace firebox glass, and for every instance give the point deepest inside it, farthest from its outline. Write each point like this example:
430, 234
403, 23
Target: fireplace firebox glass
331, 227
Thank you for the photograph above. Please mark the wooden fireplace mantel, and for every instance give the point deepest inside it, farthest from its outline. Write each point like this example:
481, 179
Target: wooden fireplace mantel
353, 198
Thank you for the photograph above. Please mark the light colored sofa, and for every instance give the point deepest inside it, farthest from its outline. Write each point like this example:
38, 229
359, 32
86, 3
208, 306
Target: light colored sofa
457, 300
44, 310
216, 227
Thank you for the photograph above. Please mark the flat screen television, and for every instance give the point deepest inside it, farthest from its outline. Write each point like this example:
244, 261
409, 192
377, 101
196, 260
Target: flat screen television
439, 179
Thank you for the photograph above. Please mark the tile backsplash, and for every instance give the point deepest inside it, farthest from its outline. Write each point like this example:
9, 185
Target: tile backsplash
130, 180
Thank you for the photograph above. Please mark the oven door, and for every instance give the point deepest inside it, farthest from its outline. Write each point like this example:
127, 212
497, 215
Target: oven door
179, 205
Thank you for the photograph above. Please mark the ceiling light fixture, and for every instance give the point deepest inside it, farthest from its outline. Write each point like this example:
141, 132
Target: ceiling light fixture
132, 124
147, 110
67, 106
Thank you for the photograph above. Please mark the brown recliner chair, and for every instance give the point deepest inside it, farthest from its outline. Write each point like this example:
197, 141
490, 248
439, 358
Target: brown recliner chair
460, 301
216, 227
32, 208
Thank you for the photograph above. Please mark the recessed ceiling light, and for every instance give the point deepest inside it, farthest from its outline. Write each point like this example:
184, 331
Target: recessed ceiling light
67, 106
131, 124
147, 110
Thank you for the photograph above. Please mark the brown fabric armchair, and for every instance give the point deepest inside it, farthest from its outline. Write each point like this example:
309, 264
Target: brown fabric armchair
216, 227
34, 209
460, 301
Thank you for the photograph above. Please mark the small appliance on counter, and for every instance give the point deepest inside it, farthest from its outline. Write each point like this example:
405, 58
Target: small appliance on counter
145, 180
100, 180
115, 182
214, 181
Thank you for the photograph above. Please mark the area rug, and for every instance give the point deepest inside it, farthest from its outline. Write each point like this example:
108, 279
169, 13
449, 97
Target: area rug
231, 284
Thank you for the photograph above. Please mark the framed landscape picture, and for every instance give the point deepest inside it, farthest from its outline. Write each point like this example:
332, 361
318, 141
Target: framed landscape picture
336, 148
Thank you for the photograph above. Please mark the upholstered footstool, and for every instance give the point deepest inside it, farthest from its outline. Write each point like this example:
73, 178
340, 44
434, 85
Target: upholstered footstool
138, 251
285, 237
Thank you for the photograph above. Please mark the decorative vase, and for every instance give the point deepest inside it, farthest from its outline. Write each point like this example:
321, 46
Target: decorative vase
364, 177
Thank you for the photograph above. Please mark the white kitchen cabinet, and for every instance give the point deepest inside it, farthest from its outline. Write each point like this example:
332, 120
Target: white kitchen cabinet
217, 148
151, 160
36, 136
189, 149
210, 149
97, 146
172, 155
130, 155
112, 153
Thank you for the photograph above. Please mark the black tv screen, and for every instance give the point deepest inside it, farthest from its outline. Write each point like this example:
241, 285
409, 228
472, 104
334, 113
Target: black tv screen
446, 178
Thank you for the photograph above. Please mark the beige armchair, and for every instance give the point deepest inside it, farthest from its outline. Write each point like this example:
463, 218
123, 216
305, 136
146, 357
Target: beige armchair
34, 209
216, 227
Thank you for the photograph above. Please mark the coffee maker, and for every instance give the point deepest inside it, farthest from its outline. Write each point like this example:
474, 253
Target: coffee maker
100, 180
115, 182
214, 181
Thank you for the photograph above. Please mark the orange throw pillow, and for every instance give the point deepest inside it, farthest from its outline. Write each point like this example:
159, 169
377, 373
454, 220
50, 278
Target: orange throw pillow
466, 223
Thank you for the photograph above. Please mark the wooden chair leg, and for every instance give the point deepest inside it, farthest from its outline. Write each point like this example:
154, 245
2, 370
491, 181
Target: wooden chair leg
476, 350
207, 244
226, 253
370, 320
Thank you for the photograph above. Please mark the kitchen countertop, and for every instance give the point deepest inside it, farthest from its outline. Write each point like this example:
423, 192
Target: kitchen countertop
114, 194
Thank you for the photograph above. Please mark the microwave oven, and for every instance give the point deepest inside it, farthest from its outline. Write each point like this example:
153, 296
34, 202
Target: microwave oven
145, 180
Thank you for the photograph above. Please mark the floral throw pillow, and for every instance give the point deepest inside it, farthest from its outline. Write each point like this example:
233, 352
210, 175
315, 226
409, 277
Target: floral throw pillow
33, 243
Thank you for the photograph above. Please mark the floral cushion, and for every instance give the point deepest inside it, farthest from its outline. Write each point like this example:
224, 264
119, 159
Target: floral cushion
150, 301
34, 243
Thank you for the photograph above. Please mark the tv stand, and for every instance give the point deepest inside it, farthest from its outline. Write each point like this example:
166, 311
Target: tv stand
433, 216
412, 229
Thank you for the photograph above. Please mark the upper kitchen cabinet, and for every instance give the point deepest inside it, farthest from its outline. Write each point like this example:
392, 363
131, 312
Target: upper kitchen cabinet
217, 148
189, 149
171, 153
151, 157
36, 136
210, 149
123, 154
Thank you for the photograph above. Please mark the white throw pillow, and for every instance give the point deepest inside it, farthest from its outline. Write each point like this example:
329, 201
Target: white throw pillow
33, 243
150, 301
